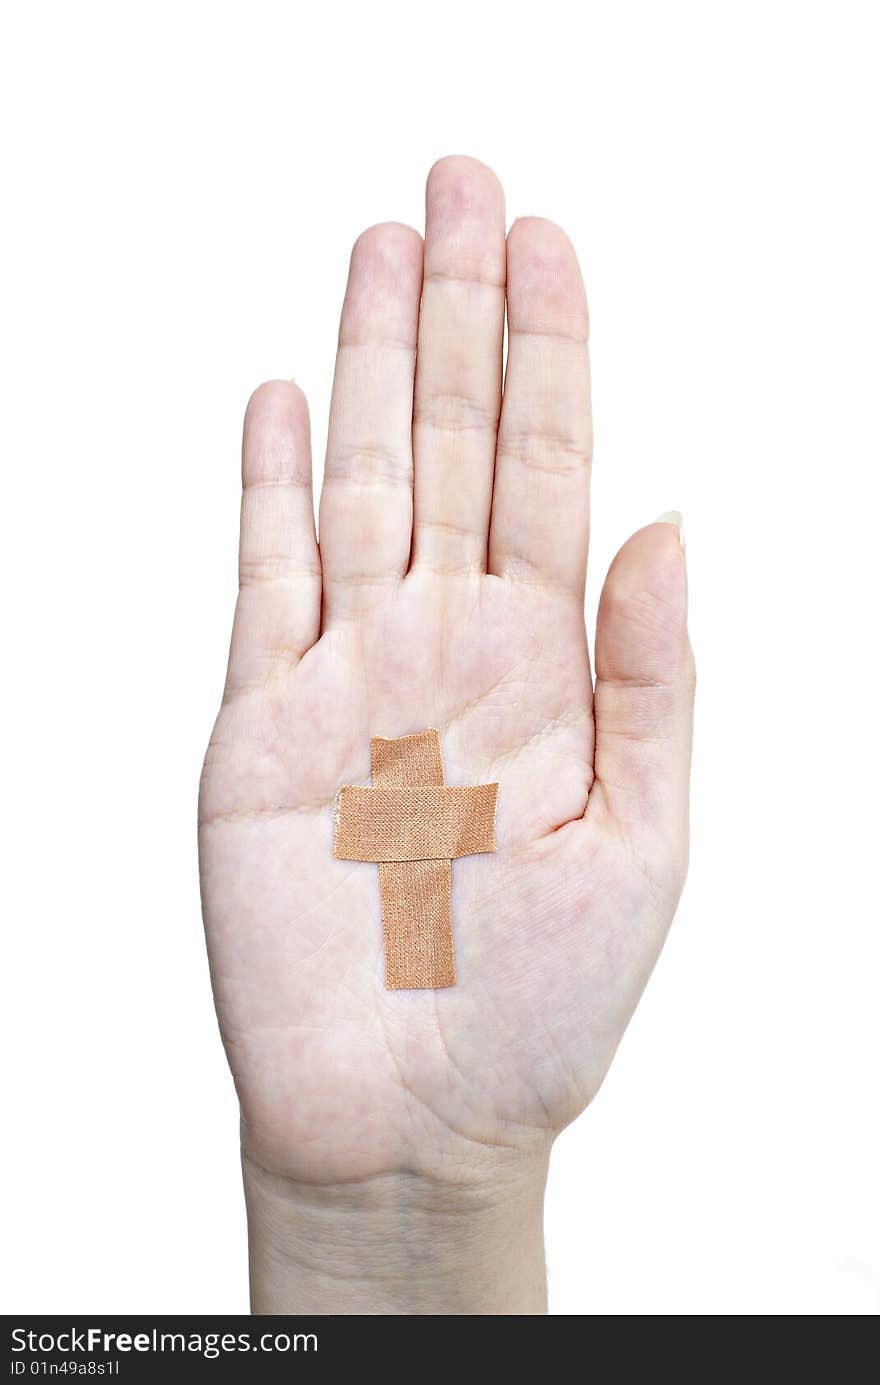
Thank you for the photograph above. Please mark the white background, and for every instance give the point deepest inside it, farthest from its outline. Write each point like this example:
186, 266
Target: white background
182, 185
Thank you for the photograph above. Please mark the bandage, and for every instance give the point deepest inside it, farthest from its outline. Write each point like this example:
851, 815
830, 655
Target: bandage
414, 825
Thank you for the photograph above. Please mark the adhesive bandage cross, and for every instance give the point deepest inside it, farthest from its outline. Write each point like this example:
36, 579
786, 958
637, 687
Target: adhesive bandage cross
414, 825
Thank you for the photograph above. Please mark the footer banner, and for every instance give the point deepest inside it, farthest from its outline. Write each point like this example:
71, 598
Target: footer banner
111, 1348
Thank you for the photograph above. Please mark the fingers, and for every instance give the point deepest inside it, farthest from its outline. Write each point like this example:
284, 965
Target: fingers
458, 378
366, 500
644, 689
277, 617
540, 508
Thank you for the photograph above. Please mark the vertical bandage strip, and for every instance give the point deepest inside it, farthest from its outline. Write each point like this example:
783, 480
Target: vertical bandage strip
416, 895
431, 827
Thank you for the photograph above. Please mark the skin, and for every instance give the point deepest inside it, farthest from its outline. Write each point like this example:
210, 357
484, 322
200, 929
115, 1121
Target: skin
383, 1129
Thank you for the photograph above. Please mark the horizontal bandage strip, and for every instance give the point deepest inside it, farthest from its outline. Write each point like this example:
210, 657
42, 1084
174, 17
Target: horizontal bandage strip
407, 822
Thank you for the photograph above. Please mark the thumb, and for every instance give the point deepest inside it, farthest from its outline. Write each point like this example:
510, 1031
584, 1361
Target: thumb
645, 692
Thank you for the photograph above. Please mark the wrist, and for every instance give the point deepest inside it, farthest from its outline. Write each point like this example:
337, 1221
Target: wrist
399, 1243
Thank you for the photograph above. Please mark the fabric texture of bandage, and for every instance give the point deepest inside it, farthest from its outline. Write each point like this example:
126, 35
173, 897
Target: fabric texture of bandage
414, 825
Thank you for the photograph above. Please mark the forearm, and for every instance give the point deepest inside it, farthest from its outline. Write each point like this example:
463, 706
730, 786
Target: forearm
398, 1244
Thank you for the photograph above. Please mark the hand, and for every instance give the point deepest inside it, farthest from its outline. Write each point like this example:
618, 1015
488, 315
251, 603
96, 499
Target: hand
448, 592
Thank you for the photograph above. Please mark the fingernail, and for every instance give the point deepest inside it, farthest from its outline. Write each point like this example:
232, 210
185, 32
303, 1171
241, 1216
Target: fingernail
673, 517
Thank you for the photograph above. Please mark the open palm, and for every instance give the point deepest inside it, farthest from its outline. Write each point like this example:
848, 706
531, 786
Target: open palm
448, 593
